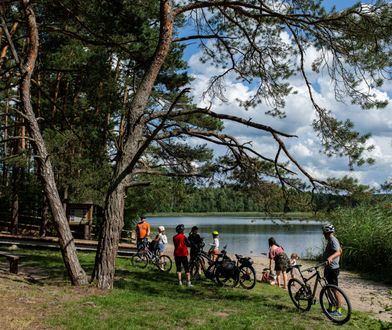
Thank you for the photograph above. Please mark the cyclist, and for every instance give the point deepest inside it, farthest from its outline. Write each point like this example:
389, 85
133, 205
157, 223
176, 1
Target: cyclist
181, 244
195, 241
161, 239
214, 249
142, 233
331, 255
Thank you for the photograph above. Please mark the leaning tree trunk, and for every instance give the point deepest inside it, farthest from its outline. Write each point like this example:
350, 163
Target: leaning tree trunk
67, 244
133, 147
109, 239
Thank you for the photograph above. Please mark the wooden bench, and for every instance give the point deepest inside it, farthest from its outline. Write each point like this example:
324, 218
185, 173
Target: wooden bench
13, 261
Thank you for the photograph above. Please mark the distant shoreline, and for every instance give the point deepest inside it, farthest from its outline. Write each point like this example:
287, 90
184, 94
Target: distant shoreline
280, 215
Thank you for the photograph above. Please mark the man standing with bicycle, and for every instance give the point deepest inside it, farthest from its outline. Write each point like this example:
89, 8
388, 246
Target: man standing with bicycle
142, 233
332, 255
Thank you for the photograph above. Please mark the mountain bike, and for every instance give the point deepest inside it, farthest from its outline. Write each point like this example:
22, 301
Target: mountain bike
333, 300
150, 255
247, 274
222, 271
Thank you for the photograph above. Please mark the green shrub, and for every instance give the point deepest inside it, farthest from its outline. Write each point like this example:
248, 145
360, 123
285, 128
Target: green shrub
366, 235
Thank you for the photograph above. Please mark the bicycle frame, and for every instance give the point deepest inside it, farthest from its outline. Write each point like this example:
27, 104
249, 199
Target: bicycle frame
319, 279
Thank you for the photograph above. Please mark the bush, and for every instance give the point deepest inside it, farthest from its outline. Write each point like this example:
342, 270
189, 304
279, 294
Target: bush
365, 233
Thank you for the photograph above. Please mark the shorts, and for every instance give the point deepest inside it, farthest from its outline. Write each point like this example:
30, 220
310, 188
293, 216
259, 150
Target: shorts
141, 243
331, 275
281, 262
161, 247
182, 261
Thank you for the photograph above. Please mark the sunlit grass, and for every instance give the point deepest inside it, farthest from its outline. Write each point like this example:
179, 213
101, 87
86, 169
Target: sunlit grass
149, 299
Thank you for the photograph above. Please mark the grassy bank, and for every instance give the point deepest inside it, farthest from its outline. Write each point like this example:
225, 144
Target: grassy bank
365, 233
147, 299
274, 215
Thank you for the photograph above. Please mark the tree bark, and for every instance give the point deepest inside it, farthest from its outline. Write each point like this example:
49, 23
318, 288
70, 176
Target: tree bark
110, 238
66, 241
133, 147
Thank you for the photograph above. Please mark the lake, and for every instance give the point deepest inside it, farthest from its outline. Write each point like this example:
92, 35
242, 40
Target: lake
249, 235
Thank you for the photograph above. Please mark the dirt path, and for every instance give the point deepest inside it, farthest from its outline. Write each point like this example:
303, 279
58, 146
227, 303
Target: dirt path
365, 295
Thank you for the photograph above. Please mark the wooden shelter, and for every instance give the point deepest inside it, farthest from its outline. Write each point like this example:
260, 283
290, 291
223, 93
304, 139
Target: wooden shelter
80, 218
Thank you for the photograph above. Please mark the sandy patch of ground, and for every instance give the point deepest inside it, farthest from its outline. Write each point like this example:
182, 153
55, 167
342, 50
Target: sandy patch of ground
366, 296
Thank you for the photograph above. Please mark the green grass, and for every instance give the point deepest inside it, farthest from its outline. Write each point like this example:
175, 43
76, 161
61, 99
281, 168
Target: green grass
148, 299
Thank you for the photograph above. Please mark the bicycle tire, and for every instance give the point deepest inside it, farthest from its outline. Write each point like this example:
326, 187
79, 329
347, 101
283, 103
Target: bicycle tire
300, 294
227, 279
328, 302
139, 260
247, 278
164, 263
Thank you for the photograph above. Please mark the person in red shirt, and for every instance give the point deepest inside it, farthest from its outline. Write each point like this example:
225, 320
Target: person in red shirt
142, 233
181, 244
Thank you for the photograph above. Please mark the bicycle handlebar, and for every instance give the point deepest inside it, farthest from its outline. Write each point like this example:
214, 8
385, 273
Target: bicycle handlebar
311, 269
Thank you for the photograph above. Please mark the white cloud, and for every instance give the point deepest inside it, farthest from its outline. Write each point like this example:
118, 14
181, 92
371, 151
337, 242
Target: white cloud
300, 114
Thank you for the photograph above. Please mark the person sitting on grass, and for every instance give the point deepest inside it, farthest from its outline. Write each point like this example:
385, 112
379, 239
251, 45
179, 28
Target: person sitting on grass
331, 256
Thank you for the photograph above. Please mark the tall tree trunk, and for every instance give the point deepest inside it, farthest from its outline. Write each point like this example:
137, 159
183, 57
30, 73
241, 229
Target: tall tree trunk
133, 147
66, 241
109, 239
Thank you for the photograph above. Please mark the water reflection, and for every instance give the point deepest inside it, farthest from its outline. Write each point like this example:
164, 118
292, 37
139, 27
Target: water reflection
249, 236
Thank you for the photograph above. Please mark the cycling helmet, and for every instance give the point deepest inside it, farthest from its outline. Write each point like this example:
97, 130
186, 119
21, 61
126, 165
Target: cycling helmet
195, 228
161, 228
215, 232
329, 228
180, 228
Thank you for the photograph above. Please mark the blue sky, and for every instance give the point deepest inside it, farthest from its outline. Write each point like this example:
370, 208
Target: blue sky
300, 114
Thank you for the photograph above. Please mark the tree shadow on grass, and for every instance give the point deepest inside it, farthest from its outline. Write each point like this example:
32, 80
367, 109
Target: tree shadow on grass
148, 282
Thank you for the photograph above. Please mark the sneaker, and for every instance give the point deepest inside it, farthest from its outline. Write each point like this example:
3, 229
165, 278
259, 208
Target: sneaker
189, 284
336, 313
179, 283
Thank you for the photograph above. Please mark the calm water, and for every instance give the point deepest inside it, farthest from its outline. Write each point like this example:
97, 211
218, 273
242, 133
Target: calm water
249, 236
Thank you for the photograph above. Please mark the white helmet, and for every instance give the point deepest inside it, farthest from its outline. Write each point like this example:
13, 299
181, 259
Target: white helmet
329, 228
161, 228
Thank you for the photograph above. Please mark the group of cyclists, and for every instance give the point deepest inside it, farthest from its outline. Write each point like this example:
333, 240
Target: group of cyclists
331, 255
195, 243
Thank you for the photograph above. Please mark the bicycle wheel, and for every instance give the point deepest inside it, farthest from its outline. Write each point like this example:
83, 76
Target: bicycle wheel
224, 278
335, 304
139, 260
164, 263
247, 277
300, 294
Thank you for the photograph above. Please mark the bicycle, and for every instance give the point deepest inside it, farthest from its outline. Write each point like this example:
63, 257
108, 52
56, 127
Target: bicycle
333, 300
148, 255
247, 274
223, 271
